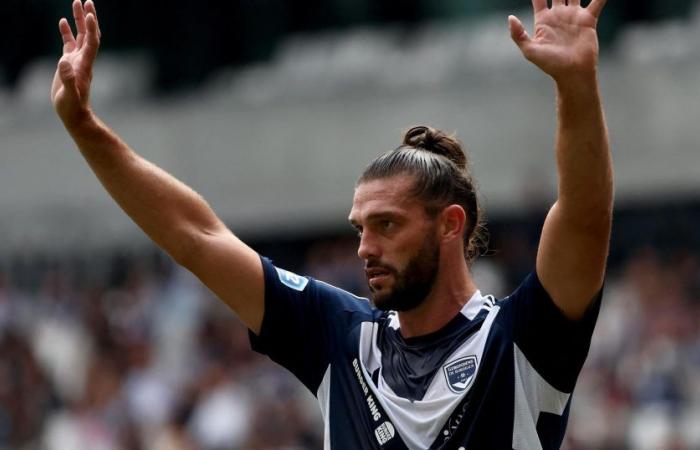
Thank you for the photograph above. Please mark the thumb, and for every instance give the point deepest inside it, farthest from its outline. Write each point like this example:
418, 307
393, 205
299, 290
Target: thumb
67, 75
517, 32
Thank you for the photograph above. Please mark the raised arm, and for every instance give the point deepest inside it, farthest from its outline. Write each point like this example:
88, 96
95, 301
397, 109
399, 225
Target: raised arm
169, 212
575, 238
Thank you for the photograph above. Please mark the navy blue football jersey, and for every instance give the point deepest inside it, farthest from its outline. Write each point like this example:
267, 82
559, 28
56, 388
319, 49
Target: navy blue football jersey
499, 376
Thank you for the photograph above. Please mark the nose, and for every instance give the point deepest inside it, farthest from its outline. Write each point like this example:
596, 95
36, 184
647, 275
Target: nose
368, 248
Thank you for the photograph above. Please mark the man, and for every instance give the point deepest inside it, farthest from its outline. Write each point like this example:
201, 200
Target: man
431, 363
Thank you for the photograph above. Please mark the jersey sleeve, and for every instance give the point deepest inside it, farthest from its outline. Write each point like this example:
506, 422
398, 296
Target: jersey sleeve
555, 345
301, 323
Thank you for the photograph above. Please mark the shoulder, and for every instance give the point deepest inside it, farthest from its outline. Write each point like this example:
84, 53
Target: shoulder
280, 282
528, 287
553, 344
532, 296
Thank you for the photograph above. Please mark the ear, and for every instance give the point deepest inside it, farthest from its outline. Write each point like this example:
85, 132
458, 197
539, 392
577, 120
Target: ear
453, 219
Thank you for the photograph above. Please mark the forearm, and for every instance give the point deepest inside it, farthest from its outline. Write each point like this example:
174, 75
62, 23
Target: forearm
573, 247
167, 210
583, 153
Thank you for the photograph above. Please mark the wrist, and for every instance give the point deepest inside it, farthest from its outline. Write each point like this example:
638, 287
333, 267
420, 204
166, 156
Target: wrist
578, 98
79, 121
580, 82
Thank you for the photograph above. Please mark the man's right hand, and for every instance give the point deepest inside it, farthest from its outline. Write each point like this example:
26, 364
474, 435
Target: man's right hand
70, 90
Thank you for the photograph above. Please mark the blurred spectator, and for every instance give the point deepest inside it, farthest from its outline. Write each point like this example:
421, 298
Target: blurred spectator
26, 396
127, 353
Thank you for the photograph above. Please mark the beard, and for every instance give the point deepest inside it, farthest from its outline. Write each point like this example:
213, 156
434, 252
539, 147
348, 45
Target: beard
413, 284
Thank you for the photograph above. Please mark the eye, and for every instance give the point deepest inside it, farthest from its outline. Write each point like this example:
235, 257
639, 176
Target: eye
358, 230
386, 225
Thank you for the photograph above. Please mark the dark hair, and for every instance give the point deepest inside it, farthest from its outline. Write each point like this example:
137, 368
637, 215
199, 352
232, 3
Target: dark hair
442, 178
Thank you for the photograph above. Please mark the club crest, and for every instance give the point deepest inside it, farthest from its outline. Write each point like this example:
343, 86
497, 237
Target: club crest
460, 373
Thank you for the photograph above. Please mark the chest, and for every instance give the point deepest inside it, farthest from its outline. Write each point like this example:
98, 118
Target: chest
404, 401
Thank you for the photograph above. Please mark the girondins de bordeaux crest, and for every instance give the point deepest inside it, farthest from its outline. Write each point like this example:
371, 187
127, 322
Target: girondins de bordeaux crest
460, 373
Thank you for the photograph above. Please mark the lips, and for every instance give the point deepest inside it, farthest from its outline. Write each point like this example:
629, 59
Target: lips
375, 274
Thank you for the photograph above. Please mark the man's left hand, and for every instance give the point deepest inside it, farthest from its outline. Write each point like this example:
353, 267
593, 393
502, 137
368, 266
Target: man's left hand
565, 42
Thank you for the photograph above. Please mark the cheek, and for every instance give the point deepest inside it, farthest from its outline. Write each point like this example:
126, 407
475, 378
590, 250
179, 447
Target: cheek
414, 248
399, 257
410, 242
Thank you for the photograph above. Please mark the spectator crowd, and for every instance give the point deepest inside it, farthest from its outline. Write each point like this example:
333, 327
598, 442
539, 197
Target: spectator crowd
117, 352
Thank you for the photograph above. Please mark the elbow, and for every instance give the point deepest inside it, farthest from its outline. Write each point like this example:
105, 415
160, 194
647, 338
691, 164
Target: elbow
185, 248
194, 245
188, 246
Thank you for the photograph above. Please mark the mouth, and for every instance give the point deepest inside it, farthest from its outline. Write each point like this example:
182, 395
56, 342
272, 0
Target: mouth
377, 275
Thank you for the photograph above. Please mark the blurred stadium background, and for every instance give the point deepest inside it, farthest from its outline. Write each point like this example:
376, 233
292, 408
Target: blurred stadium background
270, 109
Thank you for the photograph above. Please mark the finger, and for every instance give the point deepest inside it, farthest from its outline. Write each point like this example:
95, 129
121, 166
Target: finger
517, 32
67, 74
539, 5
557, 2
574, 2
79, 16
596, 6
90, 9
66, 35
92, 40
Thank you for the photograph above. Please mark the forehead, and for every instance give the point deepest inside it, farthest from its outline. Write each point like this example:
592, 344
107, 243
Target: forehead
384, 195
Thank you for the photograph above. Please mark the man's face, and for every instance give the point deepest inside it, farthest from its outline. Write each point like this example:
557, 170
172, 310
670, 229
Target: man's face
398, 242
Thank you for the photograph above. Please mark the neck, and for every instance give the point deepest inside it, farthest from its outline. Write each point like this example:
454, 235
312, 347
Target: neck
451, 291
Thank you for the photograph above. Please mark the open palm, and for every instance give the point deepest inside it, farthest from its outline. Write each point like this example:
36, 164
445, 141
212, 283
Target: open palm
70, 90
565, 41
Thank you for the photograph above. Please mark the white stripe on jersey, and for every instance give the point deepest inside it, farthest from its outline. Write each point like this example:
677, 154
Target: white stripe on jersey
533, 395
324, 400
476, 303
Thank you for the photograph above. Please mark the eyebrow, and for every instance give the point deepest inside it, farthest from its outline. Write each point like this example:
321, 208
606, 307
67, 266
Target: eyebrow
376, 216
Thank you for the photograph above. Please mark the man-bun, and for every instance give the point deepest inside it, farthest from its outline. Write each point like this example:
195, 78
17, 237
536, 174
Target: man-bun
435, 141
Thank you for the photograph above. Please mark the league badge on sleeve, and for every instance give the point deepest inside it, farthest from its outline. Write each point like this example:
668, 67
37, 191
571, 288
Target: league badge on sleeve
292, 280
460, 373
